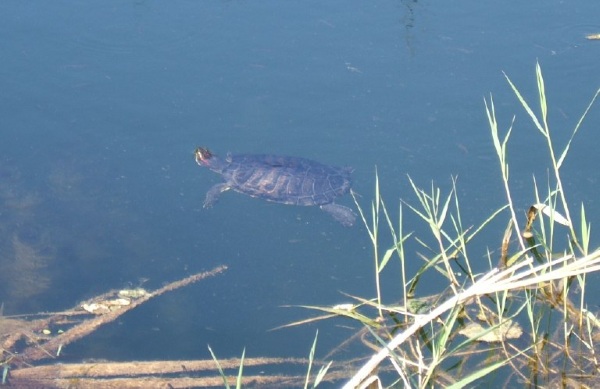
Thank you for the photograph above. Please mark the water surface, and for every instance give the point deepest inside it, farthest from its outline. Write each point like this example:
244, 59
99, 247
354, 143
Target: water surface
103, 104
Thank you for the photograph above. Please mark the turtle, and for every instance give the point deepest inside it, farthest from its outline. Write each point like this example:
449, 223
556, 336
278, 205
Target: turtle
280, 179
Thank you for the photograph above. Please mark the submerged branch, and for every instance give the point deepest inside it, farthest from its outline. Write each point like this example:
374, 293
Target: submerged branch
50, 348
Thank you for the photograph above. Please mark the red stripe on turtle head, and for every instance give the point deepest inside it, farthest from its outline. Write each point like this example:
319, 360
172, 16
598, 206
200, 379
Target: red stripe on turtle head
202, 156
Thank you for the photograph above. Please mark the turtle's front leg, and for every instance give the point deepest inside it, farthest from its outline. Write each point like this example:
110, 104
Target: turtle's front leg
213, 194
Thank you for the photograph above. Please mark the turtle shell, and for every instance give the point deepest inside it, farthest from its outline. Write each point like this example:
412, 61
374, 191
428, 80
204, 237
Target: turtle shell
286, 180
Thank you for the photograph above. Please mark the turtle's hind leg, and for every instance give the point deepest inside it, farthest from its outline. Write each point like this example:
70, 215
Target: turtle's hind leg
340, 213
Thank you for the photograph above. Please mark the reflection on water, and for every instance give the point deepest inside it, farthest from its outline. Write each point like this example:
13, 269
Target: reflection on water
26, 250
27, 266
43, 226
59, 229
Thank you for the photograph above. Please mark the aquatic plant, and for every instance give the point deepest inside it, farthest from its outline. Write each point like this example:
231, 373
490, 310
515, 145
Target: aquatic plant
527, 316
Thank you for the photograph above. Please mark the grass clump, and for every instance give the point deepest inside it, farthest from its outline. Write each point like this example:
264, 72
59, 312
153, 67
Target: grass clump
526, 318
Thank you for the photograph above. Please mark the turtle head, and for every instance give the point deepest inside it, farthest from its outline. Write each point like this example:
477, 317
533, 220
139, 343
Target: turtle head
203, 156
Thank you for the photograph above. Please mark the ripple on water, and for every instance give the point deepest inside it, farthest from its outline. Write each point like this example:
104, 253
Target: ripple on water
129, 30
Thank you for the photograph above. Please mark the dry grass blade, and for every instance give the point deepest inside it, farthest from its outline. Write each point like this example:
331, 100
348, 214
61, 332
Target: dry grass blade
494, 281
340, 310
161, 374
